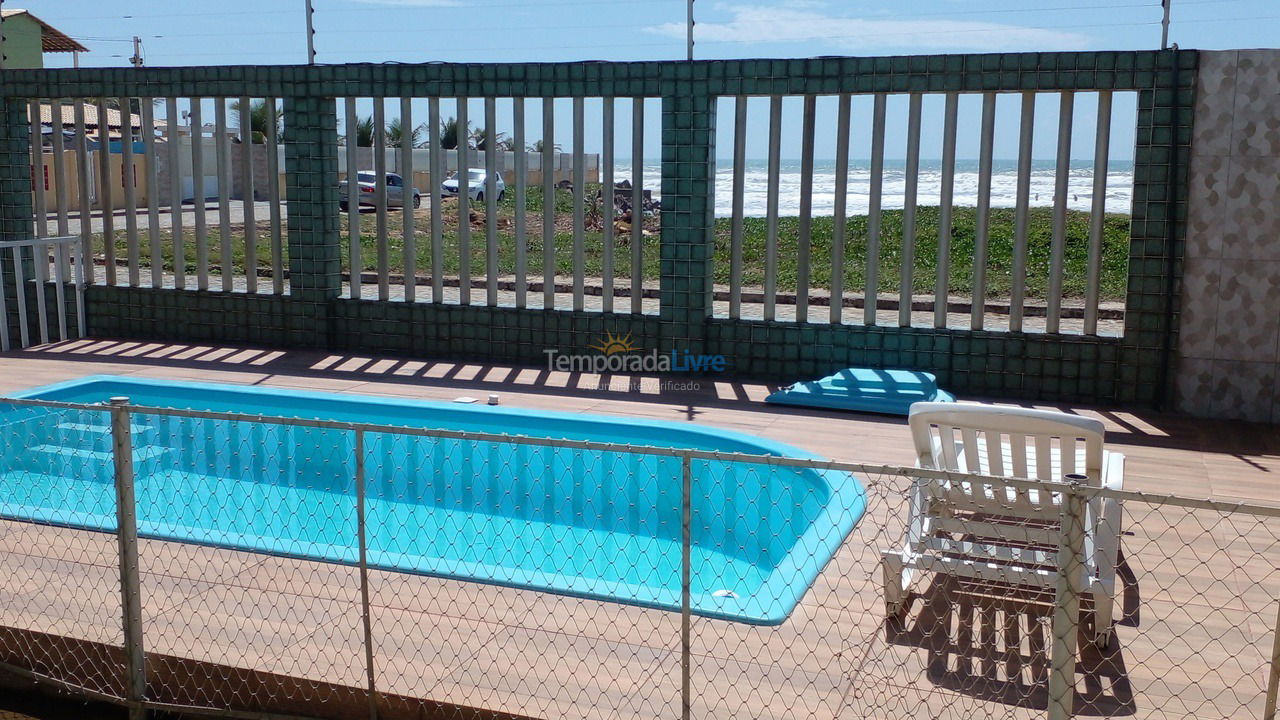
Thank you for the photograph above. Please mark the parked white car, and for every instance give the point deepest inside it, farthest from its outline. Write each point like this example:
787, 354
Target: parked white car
478, 182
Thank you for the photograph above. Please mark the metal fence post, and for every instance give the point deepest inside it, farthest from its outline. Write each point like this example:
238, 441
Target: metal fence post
361, 531
686, 576
1273, 680
1066, 605
127, 534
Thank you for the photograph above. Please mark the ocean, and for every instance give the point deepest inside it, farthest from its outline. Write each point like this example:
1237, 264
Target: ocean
1003, 185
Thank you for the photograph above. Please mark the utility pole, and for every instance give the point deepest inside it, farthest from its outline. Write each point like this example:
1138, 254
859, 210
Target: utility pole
691, 30
311, 34
2, 54
137, 52
1164, 25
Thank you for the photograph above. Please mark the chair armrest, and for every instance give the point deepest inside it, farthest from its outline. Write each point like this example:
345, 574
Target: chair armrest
1113, 471
1110, 517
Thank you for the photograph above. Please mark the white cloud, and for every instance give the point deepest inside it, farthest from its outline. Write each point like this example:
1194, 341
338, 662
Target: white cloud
792, 23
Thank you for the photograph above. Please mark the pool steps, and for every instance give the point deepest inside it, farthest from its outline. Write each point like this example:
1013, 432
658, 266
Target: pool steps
62, 461
84, 450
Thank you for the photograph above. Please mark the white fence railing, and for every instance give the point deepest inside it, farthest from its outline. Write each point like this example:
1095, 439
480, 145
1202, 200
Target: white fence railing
39, 272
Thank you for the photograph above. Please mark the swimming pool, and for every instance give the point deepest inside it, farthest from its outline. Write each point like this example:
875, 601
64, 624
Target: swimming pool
593, 523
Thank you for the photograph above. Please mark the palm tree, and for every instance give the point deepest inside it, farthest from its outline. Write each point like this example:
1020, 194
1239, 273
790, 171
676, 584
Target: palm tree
480, 138
394, 133
536, 147
449, 134
364, 131
261, 117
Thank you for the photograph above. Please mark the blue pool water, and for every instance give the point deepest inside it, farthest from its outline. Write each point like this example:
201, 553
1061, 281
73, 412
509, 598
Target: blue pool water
598, 524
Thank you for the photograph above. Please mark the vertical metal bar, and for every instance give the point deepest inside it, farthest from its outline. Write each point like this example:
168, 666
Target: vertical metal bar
104, 195
804, 240
362, 532
59, 292
840, 211
548, 204
1066, 606
273, 198
60, 199
637, 205
38, 179
20, 286
579, 219
686, 579
4, 326
436, 163
737, 219
77, 251
606, 207
1273, 678
771, 209
380, 195
175, 193
246, 196
127, 540
39, 253
1022, 213
983, 221
464, 207
223, 151
83, 174
522, 182
153, 193
872, 287
906, 281
1098, 211
1057, 244
198, 195
942, 284
60, 168
128, 177
689, 32
311, 34
40, 259
406, 195
1164, 24
491, 201
60, 190
353, 198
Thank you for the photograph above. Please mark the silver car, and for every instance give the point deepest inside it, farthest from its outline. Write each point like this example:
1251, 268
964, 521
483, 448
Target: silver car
368, 184
478, 183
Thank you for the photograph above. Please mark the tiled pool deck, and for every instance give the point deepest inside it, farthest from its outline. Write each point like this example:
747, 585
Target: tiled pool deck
1207, 609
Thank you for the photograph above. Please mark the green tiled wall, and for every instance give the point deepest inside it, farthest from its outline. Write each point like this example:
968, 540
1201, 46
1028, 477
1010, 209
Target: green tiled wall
688, 219
15, 201
1085, 369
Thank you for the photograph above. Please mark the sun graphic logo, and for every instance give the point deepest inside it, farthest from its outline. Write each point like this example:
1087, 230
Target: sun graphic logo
614, 344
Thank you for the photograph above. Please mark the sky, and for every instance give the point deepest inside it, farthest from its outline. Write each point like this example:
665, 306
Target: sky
234, 32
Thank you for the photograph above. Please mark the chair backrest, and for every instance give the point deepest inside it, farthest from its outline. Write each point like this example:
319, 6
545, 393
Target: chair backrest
1006, 442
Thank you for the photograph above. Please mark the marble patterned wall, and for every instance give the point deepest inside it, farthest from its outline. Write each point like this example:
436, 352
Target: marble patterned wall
1228, 363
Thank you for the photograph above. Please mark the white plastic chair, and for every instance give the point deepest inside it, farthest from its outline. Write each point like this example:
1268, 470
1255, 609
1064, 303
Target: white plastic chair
997, 533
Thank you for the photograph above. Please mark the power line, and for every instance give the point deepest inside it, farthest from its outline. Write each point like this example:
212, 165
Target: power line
365, 10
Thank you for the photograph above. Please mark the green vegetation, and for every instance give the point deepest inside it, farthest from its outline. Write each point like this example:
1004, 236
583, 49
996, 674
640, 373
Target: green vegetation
999, 251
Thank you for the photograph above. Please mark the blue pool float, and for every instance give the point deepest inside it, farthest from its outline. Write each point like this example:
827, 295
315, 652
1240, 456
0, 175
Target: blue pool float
889, 392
